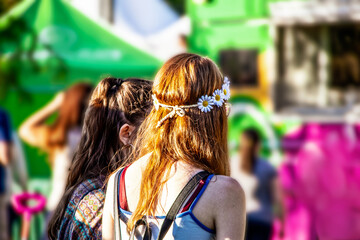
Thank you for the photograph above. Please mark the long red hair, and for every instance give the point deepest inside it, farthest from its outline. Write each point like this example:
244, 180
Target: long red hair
198, 139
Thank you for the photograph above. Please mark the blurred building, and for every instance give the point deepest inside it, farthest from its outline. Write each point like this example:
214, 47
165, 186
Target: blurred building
293, 60
317, 57
290, 56
237, 35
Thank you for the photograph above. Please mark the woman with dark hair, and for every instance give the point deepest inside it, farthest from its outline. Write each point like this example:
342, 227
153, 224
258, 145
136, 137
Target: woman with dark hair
181, 162
60, 139
117, 107
258, 178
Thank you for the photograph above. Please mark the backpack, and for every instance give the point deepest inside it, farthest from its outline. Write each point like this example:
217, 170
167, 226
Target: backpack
145, 230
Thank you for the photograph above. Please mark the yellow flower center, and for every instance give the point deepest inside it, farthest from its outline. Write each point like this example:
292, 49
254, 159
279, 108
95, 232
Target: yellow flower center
217, 98
205, 103
225, 92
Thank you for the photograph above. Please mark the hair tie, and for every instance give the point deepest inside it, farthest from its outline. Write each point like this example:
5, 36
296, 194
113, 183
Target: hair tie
116, 84
205, 103
119, 81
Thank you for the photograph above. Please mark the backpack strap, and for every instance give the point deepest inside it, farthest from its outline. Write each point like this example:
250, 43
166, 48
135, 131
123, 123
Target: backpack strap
117, 226
181, 198
147, 235
193, 197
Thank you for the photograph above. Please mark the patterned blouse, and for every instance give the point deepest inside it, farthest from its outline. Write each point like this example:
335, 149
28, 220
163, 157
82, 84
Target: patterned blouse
83, 216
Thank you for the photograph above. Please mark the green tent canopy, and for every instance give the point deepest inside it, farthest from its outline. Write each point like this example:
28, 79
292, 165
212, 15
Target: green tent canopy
87, 49
65, 39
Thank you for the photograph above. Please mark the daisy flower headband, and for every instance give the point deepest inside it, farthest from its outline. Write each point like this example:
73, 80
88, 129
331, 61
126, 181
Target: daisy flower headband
205, 103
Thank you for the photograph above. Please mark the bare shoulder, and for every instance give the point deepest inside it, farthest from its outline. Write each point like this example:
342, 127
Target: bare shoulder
137, 167
223, 198
228, 212
223, 191
226, 191
226, 185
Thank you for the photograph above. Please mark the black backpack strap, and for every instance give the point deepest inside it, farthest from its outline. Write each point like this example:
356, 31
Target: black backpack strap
147, 235
181, 198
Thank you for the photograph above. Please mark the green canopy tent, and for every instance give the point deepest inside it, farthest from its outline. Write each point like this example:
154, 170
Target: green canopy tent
69, 41
79, 41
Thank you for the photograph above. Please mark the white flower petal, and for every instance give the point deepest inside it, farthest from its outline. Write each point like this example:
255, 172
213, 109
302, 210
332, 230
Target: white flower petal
226, 92
218, 98
209, 104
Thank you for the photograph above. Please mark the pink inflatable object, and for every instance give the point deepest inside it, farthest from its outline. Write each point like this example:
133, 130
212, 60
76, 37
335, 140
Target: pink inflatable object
321, 181
20, 204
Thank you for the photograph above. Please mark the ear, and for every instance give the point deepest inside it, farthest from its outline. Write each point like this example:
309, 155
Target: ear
125, 133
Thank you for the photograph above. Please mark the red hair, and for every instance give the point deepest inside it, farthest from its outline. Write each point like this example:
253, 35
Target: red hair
198, 139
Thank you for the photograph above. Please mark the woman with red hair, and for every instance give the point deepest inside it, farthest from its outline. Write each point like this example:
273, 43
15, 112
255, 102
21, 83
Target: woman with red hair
179, 186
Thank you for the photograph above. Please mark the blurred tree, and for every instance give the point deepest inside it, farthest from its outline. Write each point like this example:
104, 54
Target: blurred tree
5, 5
10, 66
177, 5
9, 70
13, 54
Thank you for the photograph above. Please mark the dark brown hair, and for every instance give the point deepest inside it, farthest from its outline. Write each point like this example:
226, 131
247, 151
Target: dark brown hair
113, 103
71, 114
198, 139
249, 157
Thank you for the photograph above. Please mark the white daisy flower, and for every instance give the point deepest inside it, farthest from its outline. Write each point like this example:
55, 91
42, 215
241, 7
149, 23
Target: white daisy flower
205, 103
218, 98
155, 102
226, 81
226, 91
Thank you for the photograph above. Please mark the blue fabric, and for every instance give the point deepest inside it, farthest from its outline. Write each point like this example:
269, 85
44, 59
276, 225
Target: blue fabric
258, 230
5, 129
265, 173
5, 135
186, 226
2, 179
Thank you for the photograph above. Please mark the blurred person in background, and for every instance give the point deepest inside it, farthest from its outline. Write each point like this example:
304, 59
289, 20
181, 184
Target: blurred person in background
59, 139
16, 177
5, 159
116, 110
259, 180
13, 173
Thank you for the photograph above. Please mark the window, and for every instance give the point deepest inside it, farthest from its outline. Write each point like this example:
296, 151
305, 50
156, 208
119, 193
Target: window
240, 66
318, 68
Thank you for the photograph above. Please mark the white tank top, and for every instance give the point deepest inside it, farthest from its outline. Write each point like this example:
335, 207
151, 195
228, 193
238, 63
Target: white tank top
62, 161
